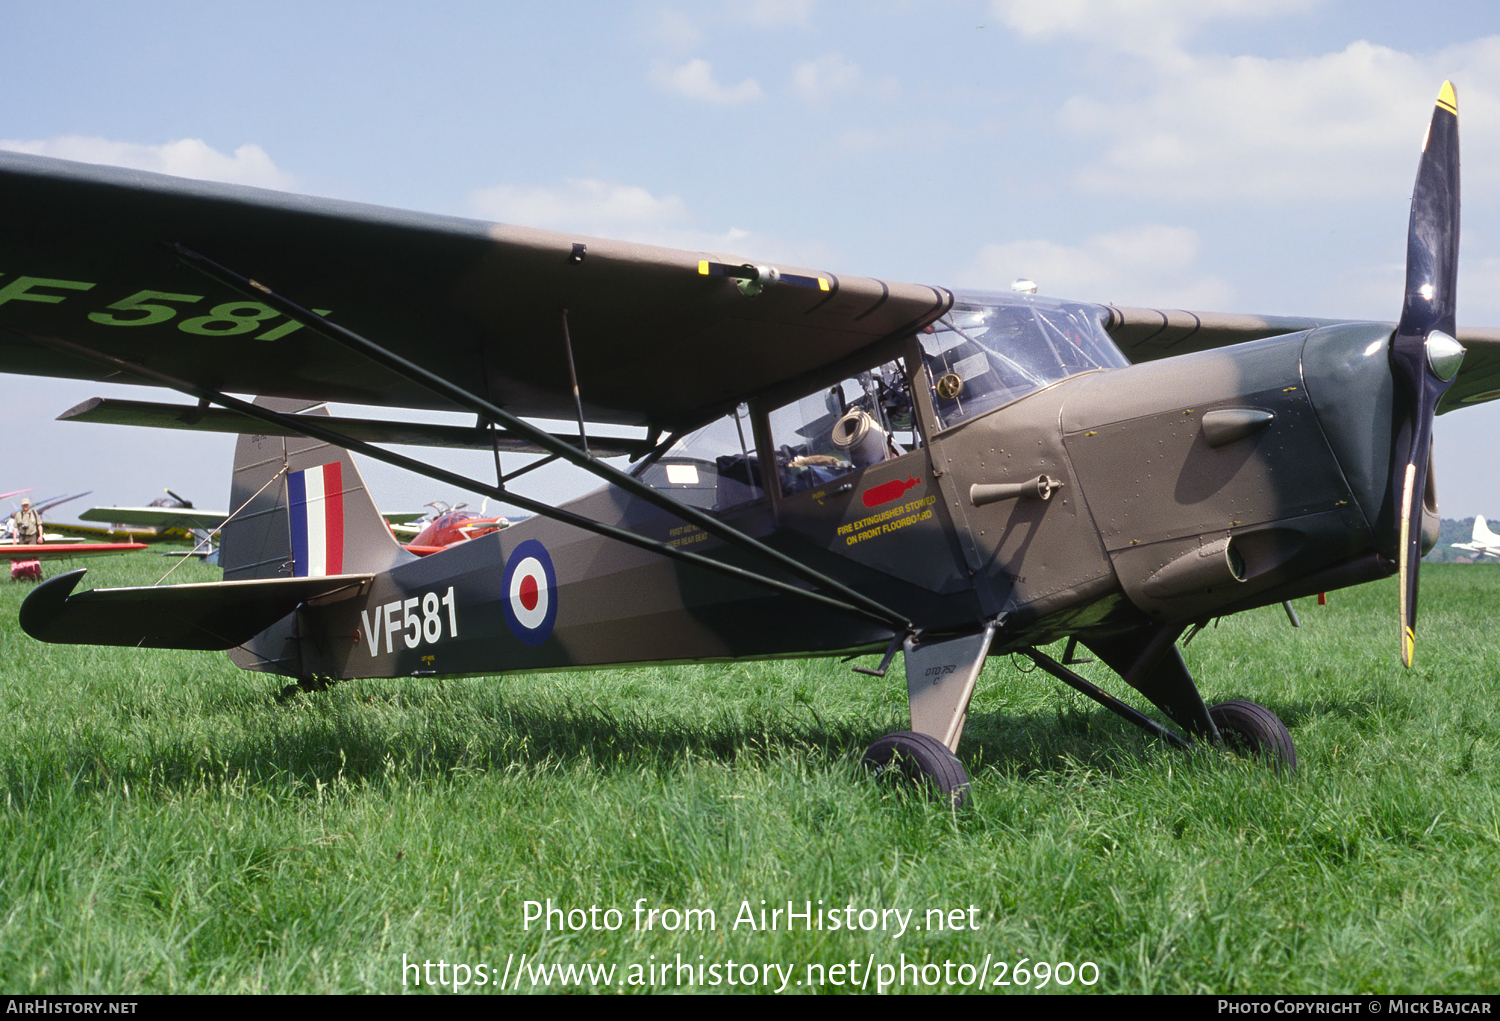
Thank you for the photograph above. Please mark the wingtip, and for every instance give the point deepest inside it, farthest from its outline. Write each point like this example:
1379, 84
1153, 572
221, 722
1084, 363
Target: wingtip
43, 605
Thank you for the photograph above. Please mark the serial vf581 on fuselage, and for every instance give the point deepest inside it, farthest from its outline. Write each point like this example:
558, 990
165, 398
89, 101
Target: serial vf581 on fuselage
829, 465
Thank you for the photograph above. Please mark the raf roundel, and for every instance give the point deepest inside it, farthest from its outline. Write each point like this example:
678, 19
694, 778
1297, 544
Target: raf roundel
530, 586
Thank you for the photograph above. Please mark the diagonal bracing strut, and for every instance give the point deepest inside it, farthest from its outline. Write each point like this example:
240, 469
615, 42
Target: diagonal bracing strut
304, 426
871, 608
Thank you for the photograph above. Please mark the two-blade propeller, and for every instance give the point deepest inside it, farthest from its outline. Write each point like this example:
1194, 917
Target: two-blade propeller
1424, 354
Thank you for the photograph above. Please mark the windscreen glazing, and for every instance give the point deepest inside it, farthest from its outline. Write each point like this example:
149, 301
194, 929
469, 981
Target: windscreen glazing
991, 349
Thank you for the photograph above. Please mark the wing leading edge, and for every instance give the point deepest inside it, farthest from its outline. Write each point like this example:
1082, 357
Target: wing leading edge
1144, 334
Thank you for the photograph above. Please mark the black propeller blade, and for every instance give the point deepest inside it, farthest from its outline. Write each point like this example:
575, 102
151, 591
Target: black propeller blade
1424, 354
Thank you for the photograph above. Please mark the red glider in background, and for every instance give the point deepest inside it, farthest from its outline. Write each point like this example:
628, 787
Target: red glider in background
453, 525
26, 560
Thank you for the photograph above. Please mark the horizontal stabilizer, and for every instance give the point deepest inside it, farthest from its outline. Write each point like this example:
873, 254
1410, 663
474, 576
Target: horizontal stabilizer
210, 616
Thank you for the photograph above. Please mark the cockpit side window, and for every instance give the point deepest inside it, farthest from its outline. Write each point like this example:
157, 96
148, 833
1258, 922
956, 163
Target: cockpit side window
713, 469
852, 424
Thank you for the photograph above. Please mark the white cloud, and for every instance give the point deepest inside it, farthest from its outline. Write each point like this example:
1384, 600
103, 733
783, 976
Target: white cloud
930, 135
1176, 123
630, 213
1139, 26
186, 157
601, 209
1340, 125
773, 13
674, 30
596, 207
818, 80
1151, 264
680, 31
695, 80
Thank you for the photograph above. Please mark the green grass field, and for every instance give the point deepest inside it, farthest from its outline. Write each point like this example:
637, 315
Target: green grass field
172, 825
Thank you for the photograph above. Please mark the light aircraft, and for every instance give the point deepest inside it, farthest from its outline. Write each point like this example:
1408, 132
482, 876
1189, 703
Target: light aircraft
827, 465
168, 515
1485, 542
8, 531
180, 515
26, 558
449, 525
173, 517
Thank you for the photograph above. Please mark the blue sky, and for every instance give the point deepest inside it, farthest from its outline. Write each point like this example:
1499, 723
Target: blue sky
1233, 155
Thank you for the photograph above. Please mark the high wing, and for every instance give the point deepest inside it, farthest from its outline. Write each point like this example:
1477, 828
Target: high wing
43, 506
93, 262
660, 337
61, 550
1144, 334
156, 517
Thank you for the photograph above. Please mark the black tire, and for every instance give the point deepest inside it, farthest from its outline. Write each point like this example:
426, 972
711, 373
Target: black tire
912, 759
1254, 730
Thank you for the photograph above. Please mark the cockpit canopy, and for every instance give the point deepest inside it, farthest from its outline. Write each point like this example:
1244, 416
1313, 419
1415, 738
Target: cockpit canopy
989, 350
992, 348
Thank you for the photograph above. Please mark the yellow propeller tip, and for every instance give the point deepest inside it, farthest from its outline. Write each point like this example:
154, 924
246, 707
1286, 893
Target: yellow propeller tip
1447, 98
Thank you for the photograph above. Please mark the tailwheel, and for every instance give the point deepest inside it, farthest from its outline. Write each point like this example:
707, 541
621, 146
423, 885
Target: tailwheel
306, 685
1254, 730
912, 759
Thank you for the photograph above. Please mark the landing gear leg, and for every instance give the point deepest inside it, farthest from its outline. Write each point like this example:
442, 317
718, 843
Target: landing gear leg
940, 678
1149, 661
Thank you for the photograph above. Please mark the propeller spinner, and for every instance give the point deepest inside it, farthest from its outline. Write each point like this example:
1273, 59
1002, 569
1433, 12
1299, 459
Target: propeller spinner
1424, 354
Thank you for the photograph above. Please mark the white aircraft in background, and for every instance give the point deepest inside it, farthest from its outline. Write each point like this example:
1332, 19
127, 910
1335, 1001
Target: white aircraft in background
1485, 542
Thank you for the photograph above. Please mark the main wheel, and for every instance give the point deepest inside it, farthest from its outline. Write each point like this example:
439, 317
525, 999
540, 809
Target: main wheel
914, 759
1252, 729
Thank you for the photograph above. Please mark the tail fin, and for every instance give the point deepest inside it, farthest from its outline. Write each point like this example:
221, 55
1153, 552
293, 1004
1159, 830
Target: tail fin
299, 508
1482, 533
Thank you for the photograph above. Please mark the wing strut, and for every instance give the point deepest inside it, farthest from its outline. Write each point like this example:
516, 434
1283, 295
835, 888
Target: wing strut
573, 378
472, 402
301, 425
